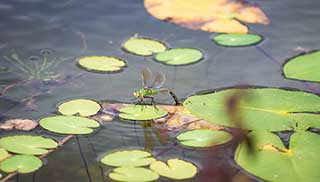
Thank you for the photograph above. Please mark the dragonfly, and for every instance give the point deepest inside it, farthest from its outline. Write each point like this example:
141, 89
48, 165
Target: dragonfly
151, 86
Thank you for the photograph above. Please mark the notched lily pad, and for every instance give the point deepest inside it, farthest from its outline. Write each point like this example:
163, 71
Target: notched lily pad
105, 64
133, 174
83, 107
237, 40
303, 67
143, 46
27, 144
69, 124
179, 56
174, 169
133, 158
141, 112
3, 154
203, 138
21, 164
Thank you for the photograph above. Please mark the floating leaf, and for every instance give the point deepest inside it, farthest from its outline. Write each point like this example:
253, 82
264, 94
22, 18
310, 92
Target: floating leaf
304, 67
19, 124
83, 107
141, 112
203, 138
143, 46
133, 174
266, 109
272, 161
69, 124
29, 145
21, 164
133, 158
179, 56
3, 154
207, 15
237, 40
101, 63
175, 169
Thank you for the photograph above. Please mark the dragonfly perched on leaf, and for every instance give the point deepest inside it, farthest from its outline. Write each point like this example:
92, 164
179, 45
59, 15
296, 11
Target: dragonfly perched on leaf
152, 85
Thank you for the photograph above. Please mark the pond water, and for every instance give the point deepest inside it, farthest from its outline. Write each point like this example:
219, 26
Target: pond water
72, 29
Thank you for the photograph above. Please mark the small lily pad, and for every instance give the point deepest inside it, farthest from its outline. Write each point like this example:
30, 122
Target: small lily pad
83, 107
143, 46
21, 164
179, 56
141, 112
3, 154
133, 174
28, 145
237, 40
304, 67
101, 63
175, 169
133, 158
203, 138
69, 124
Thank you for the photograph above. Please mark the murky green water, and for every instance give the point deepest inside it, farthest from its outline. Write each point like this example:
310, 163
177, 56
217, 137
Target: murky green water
74, 28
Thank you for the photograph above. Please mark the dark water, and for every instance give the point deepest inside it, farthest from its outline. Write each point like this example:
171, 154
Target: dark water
74, 28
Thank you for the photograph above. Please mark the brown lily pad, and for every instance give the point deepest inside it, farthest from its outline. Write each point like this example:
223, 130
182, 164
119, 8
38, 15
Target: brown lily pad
19, 124
207, 15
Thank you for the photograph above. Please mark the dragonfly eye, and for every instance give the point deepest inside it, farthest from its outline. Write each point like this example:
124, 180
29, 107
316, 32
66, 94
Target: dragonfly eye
135, 94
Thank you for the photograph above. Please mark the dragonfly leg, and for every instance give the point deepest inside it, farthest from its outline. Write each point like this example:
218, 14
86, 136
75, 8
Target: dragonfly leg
152, 102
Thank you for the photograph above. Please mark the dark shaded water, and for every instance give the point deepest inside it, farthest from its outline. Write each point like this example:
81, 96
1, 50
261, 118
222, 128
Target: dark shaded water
74, 28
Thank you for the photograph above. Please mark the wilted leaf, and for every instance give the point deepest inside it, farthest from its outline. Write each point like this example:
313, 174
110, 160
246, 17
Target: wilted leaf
175, 169
179, 56
143, 46
83, 107
21, 164
19, 124
101, 63
133, 158
207, 15
133, 174
272, 161
141, 112
29, 145
304, 67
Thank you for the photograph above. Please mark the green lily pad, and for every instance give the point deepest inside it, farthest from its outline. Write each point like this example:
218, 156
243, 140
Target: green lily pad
27, 144
175, 169
21, 164
69, 124
179, 56
133, 174
237, 40
101, 64
141, 112
272, 161
133, 158
143, 46
304, 67
265, 109
83, 107
3, 154
203, 138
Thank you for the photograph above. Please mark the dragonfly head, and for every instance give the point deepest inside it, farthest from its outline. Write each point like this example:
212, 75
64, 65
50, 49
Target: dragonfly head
136, 94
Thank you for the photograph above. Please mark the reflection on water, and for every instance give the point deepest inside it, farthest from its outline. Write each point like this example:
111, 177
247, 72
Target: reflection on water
76, 28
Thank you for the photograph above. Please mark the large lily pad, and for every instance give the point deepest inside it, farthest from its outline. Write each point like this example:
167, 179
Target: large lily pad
207, 15
101, 63
179, 56
69, 124
265, 109
175, 169
237, 40
141, 112
143, 46
83, 107
29, 145
21, 164
272, 161
304, 67
3, 154
133, 158
133, 174
203, 138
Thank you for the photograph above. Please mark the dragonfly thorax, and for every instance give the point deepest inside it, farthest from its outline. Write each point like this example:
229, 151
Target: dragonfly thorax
143, 92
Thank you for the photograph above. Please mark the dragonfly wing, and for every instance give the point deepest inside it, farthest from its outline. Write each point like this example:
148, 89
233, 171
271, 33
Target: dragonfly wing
158, 81
146, 76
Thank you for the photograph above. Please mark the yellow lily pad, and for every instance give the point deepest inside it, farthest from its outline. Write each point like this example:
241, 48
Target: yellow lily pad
101, 63
83, 107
